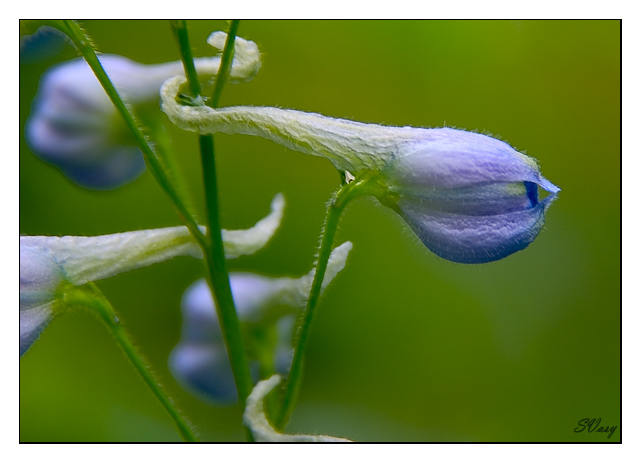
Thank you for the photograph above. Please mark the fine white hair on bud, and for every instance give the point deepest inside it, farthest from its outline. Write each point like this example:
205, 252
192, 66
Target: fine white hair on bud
469, 197
200, 363
262, 430
74, 126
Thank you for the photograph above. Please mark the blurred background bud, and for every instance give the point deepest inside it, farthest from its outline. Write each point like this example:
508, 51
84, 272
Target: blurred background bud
266, 308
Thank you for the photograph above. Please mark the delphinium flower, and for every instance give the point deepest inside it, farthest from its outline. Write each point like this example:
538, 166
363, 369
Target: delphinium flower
50, 266
200, 363
470, 198
74, 126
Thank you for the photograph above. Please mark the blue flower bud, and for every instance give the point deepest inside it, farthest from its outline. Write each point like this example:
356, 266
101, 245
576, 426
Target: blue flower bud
470, 198
74, 126
200, 363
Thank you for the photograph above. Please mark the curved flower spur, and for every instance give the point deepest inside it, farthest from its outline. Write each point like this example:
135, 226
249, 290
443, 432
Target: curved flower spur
469, 197
74, 126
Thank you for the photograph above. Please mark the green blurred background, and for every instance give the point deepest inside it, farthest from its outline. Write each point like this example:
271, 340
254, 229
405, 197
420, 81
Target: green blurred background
406, 346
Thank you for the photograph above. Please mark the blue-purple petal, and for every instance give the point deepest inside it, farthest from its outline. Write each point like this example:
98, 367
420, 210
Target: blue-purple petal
474, 239
450, 158
205, 371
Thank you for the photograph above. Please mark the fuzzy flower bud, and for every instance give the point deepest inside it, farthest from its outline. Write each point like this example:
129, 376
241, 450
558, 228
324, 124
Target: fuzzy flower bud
200, 362
48, 264
470, 198
74, 126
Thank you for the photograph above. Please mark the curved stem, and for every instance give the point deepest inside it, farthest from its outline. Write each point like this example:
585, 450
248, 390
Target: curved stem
214, 251
83, 43
91, 296
363, 186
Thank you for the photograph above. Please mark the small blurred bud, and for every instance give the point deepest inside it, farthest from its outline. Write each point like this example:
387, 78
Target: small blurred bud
74, 126
200, 363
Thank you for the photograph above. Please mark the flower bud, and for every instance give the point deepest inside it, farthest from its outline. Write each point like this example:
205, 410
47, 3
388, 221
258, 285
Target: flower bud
46, 262
200, 362
74, 126
470, 198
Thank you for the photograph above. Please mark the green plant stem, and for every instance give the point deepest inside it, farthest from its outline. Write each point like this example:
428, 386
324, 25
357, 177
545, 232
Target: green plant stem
214, 252
182, 36
91, 296
83, 43
366, 185
219, 278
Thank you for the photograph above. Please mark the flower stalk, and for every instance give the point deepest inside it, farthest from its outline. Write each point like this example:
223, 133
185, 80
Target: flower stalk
364, 186
90, 296
218, 276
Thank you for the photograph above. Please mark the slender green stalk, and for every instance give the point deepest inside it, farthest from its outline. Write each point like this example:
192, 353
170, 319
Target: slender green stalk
367, 185
219, 278
83, 43
214, 252
91, 296
182, 36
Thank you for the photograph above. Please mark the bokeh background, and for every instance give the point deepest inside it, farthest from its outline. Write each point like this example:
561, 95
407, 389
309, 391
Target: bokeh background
406, 346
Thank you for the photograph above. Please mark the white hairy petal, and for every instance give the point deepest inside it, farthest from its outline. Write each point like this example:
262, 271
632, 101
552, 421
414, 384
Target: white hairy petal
256, 420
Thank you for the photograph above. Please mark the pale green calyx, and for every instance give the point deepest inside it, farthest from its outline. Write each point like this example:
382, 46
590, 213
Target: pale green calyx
256, 420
